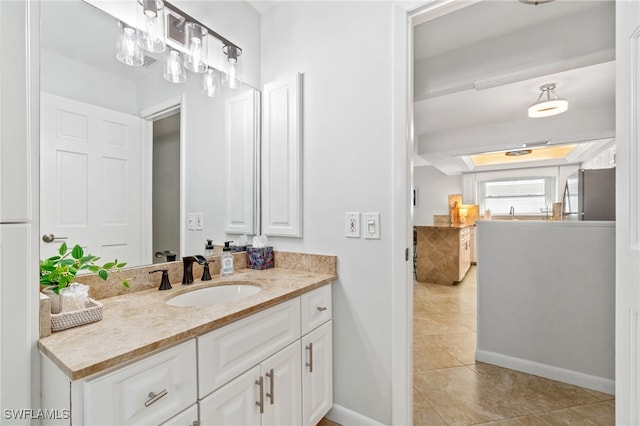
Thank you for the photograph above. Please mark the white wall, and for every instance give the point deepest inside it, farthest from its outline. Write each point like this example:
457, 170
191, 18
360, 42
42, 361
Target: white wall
344, 51
546, 299
433, 188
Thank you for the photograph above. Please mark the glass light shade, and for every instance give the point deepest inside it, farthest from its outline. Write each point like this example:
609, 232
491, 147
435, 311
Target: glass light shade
128, 51
196, 45
548, 108
174, 71
151, 25
210, 83
233, 77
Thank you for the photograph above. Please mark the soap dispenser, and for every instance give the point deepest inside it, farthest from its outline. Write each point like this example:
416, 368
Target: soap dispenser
208, 248
226, 261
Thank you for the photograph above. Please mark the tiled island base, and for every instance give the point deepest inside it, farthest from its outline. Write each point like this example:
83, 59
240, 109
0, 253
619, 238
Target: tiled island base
443, 253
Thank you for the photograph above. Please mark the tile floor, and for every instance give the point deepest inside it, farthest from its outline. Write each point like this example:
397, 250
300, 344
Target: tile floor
450, 388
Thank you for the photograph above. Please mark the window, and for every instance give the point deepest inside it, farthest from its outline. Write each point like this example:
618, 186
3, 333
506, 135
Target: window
527, 196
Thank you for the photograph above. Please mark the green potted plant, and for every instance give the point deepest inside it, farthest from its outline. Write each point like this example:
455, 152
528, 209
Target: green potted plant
59, 271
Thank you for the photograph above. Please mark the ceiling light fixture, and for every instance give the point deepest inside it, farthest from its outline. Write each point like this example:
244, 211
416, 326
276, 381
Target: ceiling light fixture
518, 152
552, 105
150, 35
535, 2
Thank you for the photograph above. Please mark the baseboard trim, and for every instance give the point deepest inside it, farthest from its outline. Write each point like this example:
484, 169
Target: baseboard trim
572, 377
346, 417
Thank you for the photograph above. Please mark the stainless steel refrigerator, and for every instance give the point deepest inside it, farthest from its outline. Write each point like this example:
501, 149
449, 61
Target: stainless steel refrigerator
590, 195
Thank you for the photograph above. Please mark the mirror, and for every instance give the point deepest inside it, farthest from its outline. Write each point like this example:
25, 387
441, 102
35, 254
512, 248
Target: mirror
132, 164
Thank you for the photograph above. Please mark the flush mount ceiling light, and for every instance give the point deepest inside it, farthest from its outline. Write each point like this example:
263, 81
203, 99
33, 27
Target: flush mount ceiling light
535, 2
548, 105
189, 49
518, 152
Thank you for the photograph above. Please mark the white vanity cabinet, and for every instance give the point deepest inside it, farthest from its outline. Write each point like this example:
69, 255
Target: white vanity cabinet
273, 367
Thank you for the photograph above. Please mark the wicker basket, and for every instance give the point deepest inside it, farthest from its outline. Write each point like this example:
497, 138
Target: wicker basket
88, 315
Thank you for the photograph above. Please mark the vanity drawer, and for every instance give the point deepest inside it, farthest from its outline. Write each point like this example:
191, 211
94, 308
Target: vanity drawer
149, 391
227, 352
316, 308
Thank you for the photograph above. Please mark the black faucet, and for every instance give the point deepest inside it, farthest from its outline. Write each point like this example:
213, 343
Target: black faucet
206, 274
187, 267
164, 284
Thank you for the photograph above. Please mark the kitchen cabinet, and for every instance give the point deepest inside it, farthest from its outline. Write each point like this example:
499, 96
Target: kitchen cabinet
473, 245
443, 253
469, 188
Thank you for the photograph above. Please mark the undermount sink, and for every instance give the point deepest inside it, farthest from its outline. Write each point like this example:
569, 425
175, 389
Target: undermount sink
213, 295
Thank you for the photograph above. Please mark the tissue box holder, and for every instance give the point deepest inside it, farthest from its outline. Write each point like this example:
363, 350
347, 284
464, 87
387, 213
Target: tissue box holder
71, 319
260, 258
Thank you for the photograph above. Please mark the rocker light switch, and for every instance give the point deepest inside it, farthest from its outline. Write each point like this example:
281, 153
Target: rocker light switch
372, 226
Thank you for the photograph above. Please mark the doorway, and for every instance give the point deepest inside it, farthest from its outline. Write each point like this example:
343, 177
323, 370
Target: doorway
166, 188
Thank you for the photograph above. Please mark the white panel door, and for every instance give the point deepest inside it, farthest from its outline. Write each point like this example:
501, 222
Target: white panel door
239, 146
281, 159
90, 178
627, 213
282, 381
234, 403
317, 374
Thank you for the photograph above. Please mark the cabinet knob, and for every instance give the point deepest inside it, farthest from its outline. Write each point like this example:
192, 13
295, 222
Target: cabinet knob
321, 308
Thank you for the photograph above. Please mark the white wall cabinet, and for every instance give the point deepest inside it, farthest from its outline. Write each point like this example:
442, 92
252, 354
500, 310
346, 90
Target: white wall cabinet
282, 158
469, 189
259, 370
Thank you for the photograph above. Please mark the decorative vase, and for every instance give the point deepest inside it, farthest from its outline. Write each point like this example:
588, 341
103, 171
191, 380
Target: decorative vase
55, 298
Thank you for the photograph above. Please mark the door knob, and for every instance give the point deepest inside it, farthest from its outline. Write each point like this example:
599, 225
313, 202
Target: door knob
49, 238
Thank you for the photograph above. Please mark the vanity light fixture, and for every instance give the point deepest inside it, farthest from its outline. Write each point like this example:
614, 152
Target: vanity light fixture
174, 71
151, 25
551, 105
210, 83
128, 50
150, 36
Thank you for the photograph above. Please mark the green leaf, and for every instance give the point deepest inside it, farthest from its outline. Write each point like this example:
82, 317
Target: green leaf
63, 249
121, 265
46, 267
77, 252
109, 265
67, 262
94, 268
125, 283
103, 274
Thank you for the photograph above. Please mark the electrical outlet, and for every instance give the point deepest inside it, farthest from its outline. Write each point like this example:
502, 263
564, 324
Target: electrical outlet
191, 221
199, 221
352, 225
371, 226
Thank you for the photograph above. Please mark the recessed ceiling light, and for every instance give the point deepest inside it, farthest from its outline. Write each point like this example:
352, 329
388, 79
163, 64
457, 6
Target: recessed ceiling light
535, 2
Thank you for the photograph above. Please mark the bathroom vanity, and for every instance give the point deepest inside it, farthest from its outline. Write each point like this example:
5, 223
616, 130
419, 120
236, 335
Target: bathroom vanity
263, 359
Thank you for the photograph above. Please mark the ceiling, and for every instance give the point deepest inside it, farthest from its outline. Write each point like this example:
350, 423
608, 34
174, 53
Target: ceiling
476, 70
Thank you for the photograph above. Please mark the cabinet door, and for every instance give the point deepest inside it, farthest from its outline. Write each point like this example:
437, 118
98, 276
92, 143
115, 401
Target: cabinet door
236, 403
282, 381
317, 374
282, 158
188, 417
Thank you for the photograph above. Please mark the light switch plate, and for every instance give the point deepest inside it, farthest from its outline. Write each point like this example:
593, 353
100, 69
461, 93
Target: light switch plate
199, 221
371, 223
191, 221
352, 225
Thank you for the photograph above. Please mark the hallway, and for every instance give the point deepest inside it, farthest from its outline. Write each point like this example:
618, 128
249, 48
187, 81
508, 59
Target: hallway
450, 388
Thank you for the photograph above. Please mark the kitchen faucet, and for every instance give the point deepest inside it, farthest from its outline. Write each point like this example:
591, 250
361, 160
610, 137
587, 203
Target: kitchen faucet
512, 212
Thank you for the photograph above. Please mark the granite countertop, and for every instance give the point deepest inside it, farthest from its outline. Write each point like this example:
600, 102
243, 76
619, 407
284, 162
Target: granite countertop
139, 323
457, 226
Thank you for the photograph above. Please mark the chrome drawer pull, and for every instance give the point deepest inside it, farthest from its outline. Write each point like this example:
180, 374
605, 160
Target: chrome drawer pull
271, 392
260, 403
310, 363
322, 308
154, 398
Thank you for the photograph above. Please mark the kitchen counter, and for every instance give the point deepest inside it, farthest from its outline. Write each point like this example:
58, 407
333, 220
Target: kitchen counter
139, 323
443, 253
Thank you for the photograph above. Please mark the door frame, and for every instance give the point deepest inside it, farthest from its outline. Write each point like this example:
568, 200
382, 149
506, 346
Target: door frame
149, 115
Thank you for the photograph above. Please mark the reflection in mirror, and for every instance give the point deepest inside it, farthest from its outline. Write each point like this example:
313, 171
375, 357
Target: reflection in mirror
134, 167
